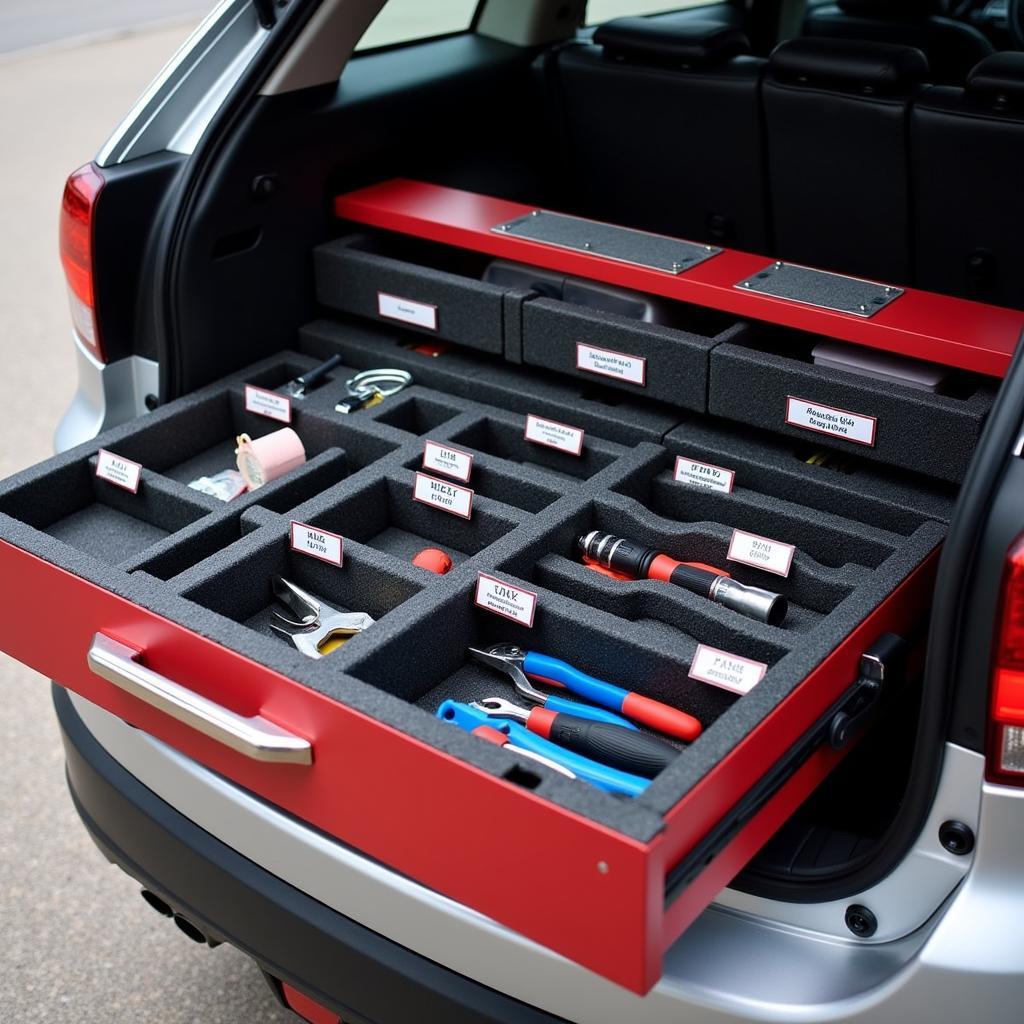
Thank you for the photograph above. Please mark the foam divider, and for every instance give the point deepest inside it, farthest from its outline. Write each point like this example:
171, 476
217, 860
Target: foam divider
210, 565
596, 409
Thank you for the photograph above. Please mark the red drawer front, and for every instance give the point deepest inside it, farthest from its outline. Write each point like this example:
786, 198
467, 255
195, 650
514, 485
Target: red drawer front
576, 887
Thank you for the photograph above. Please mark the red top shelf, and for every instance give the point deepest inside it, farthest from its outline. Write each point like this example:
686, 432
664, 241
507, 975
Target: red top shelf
968, 335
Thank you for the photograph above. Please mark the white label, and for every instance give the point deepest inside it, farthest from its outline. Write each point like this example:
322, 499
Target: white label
328, 547
823, 419
450, 461
117, 471
703, 474
422, 314
444, 495
506, 600
553, 434
720, 668
268, 403
770, 555
611, 364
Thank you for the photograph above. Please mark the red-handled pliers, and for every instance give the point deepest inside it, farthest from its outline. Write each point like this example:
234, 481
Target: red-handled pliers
520, 664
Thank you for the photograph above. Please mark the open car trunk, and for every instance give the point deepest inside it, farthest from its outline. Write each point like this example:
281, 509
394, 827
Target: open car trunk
713, 436
157, 573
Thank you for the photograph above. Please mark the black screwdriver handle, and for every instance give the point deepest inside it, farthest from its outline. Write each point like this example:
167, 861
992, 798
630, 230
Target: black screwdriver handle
317, 373
629, 751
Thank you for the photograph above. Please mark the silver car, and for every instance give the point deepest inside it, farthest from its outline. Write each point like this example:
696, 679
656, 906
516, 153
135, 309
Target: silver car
891, 889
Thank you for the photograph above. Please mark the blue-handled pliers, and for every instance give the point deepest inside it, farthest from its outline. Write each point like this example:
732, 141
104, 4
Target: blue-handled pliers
516, 663
612, 780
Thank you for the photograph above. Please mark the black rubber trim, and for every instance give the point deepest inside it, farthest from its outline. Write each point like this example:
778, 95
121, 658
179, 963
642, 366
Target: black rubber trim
336, 961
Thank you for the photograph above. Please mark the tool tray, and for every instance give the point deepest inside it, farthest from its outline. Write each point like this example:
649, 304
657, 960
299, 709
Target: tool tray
186, 580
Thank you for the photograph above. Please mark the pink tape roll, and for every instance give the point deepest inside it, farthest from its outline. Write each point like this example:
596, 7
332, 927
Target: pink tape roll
268, 457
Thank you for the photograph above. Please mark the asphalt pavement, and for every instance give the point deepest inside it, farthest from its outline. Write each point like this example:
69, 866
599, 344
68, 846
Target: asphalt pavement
78, 943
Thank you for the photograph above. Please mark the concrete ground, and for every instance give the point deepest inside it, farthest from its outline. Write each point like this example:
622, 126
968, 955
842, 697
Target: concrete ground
78, 943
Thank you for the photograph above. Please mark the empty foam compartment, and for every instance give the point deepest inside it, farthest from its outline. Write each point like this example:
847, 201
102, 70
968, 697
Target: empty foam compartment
504, 437
429, 289
194, 544
491, 478
416, 412
668, 364
768, 379
77, 508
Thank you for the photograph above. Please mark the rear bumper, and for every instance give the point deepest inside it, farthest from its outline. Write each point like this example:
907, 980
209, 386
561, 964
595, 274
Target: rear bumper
357, 936
293, 937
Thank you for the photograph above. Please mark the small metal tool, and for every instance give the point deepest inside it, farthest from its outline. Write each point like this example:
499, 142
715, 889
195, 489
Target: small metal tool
299, 387
318, 629
371, 386
499, 739
509, 659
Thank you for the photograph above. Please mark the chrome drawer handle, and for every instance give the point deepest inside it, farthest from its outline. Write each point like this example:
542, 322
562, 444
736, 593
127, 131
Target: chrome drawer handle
254, 737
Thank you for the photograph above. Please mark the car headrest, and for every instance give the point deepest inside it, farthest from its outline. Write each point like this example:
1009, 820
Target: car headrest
692, 43
888, 8
849, 64
998, 80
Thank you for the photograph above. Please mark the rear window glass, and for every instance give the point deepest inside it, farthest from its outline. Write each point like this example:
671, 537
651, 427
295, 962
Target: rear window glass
405, 21
599, 11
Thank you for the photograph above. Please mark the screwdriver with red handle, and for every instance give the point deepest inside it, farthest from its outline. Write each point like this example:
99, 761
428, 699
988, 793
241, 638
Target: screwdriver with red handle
639, 753
636, 562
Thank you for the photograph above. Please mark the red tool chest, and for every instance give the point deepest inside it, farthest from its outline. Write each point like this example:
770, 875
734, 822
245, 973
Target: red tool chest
166, 594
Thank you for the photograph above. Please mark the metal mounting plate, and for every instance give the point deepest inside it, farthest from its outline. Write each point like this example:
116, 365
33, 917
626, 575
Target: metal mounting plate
822, 289
625, 245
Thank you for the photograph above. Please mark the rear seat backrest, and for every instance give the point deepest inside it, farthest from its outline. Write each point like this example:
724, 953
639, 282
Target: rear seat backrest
837, 113
662, 129
952, 46
968, 147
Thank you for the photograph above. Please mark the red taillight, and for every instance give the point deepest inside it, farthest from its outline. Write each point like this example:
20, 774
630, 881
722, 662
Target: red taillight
77, 210
1006, 746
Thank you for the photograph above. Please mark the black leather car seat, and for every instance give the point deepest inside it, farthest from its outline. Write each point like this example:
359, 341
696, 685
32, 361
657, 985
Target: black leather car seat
952, 47
661, 130
837, 113
968, 149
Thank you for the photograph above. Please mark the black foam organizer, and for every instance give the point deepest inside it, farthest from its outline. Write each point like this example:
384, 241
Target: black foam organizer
859, 531
694, 359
